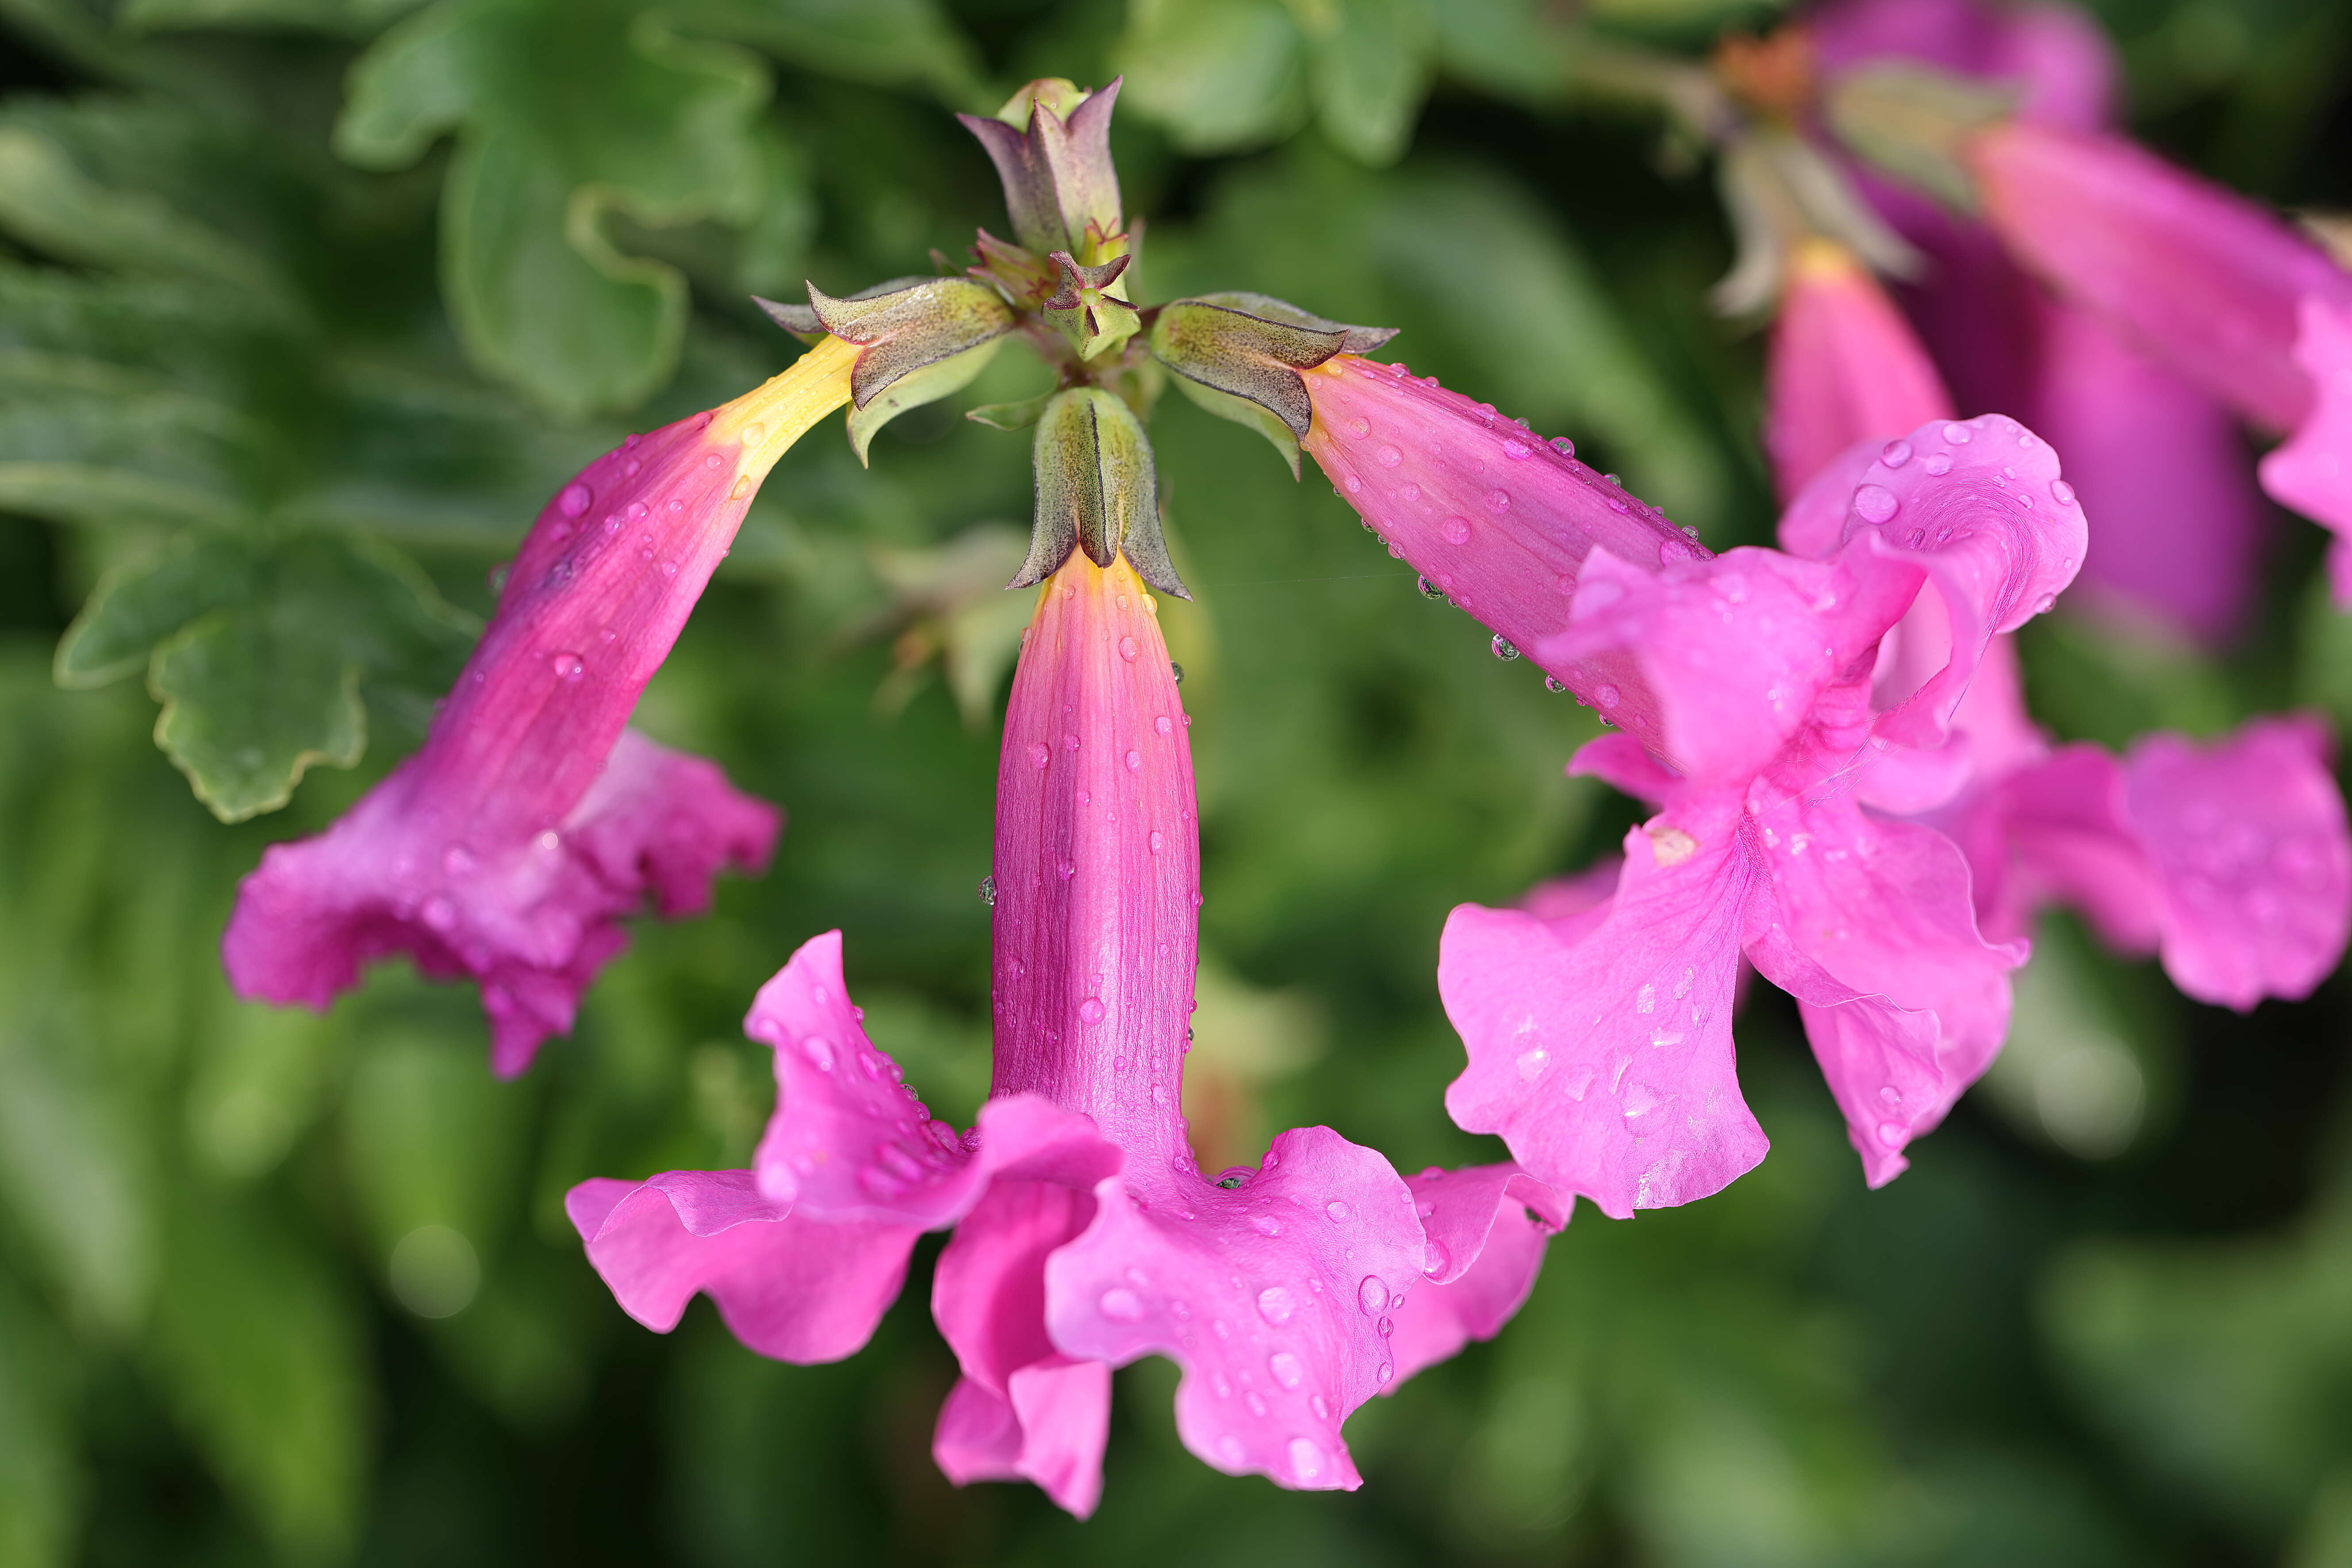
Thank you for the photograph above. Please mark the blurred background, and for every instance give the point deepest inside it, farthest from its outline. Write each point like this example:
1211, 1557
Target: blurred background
279, 1288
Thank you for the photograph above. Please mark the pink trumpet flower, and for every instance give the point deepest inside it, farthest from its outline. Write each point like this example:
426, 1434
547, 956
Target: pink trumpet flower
1085, 1234
2179, 524
509, 847
2229, 861
1599, 1041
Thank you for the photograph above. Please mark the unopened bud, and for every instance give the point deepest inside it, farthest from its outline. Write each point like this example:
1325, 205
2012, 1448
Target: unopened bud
1913, 121
1051, 146
1089, 308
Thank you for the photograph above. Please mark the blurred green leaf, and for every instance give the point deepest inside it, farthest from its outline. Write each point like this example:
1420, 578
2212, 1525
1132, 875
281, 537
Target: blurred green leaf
1519, 48
41, 1483
1369, 65
344, 18
258, 1350
258, 649
74, 1178
1219, 74
566, 114
882, 41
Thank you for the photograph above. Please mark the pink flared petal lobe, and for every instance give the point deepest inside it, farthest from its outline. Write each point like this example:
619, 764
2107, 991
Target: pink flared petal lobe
1023, 1410
1490, 514
1603, 1056
1276, 1298
2057, 830
1845, 366
1977, 507
1871, 926
1623, 762
531, 922
1814, 522
2053, 54
850, 1140
2194, 273
2312, 471
1050, 1428
1485, 1229
2248, 840
797, 1289
2177, 525
1716, 662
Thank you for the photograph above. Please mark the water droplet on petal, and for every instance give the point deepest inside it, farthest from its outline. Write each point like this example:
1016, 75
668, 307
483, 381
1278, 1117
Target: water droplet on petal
1531, 1064
819, 1051
1340, 1212
2062, 492
988, 891
1895, 454
1306, 1460
1938, 464
1504, 647
573, 500
1498, 501
567, 666
1265, 1225
1091, 1011
1387, 456
1121, 1305
1563, 445
1455, 529
1893, 1134
1372, 1295
1126, 649
1876, 503
1276, 1304
1958, 435
1436, 1260
1038, 755
1287, 1369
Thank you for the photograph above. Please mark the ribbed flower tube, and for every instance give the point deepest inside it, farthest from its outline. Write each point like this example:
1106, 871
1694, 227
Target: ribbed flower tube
1097, 865
509, 847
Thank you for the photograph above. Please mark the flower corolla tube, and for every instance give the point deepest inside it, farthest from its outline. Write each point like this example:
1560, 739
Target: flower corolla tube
1084, 1236
510, 846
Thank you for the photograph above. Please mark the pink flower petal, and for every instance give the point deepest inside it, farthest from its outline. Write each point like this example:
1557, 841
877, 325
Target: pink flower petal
1978, 507
1602, 1052
850, 1140
2249, 844
1023, 1411
1869, 924
1716, 661
530, 920
797, 1289
1485, 1229
2312, 472
1276, 1299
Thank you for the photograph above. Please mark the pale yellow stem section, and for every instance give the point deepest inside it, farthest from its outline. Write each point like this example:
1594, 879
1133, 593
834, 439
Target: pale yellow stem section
770, 417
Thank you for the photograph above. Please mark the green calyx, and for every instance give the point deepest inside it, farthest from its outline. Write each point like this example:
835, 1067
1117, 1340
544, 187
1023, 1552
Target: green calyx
1096, 491
919, 340
1913, 123
1239, 356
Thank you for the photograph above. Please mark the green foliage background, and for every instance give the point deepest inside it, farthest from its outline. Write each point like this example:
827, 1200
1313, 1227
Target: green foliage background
305, 308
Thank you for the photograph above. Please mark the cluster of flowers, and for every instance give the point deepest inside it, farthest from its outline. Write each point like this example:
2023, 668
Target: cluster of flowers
1848, 794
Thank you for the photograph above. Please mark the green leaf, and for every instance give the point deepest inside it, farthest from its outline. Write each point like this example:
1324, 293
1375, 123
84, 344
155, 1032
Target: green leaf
72, 1173
1368, 74
339, 18
259, 647
48, 201
885, 42
1515, 48
566, 115
1220, 74
40, 1474
259, 1352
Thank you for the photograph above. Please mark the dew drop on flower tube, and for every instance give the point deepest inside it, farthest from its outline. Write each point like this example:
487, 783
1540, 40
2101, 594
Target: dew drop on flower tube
510, 846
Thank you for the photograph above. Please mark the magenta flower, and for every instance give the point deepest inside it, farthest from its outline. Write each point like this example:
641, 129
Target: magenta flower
512, 845
1842, 359
1085, 1237
2177, 524
2229, 861
1599, 1041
